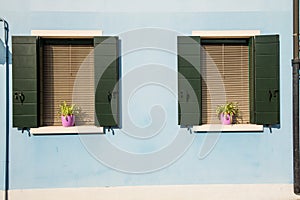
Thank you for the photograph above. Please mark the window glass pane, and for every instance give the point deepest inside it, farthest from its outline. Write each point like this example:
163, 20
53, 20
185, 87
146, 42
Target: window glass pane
224, 66
68, 75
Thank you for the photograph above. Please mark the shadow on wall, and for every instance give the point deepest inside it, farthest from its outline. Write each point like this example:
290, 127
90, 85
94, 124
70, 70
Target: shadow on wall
2, 54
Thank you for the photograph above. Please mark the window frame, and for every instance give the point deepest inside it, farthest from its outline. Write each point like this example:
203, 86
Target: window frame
44, 42
237, 127
67, 34
245, 96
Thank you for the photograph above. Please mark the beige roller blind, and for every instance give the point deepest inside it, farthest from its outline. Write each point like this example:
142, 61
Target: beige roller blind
230, 63
68, 75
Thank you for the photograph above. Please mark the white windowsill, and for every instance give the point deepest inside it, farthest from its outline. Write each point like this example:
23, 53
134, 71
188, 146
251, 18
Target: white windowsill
228, 128
60, 130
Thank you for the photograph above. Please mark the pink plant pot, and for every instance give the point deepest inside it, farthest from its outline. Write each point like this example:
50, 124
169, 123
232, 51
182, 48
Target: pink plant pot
68, 120
225, 119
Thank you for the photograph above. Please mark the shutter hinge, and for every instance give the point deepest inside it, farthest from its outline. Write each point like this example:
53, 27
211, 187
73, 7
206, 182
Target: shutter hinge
111, 129
270, 128
26, 129
295, 62
189, 129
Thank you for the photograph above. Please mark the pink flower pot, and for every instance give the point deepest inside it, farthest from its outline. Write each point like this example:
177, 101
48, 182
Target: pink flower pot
225, 119
68, 120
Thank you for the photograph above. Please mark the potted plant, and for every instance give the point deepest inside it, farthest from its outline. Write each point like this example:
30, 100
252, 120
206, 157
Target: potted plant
228, 112
67, 113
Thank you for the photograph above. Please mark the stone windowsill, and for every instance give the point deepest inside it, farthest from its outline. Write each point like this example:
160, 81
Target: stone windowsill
229, 128
60, 130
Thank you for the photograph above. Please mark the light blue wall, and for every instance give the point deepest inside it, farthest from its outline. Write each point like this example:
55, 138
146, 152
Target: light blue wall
73, 161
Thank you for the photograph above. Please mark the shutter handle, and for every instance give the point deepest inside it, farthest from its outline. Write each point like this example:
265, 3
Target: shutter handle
114, 95
109, 96
181, 94
270, 95
187, 97
274, 94
20, 97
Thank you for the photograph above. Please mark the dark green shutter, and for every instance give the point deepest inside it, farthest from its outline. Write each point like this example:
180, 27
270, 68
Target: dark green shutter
25, 84
264, 84
189, 80
106, 58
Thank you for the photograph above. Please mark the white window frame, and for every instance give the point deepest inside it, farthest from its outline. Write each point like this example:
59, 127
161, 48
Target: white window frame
56, 130
234, 127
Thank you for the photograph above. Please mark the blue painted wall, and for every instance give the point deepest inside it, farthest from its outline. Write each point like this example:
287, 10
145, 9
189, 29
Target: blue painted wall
172, 156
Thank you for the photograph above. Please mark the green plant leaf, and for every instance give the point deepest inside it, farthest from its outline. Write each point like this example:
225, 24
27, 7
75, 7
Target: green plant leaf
230, 108
65, 109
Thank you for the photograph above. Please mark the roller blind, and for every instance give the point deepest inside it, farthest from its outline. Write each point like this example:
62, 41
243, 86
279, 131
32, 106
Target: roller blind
224, 67
67, 75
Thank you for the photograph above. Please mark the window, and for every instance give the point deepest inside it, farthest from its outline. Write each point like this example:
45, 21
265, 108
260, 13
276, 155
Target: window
67, 71
81, 71
248, 69
229, 58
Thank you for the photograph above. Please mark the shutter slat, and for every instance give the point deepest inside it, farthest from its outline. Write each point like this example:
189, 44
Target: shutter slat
25, 80
106, 60
265, 73
189, 80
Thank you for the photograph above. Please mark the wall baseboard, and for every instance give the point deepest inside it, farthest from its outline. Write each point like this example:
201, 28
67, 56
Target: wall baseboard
166, 192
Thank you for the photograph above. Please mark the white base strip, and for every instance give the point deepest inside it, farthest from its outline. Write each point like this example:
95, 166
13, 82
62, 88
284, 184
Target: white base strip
172, 192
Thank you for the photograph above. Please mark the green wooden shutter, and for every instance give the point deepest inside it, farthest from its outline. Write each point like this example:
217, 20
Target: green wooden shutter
264, 85
106, 61
189, 80
25, 84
